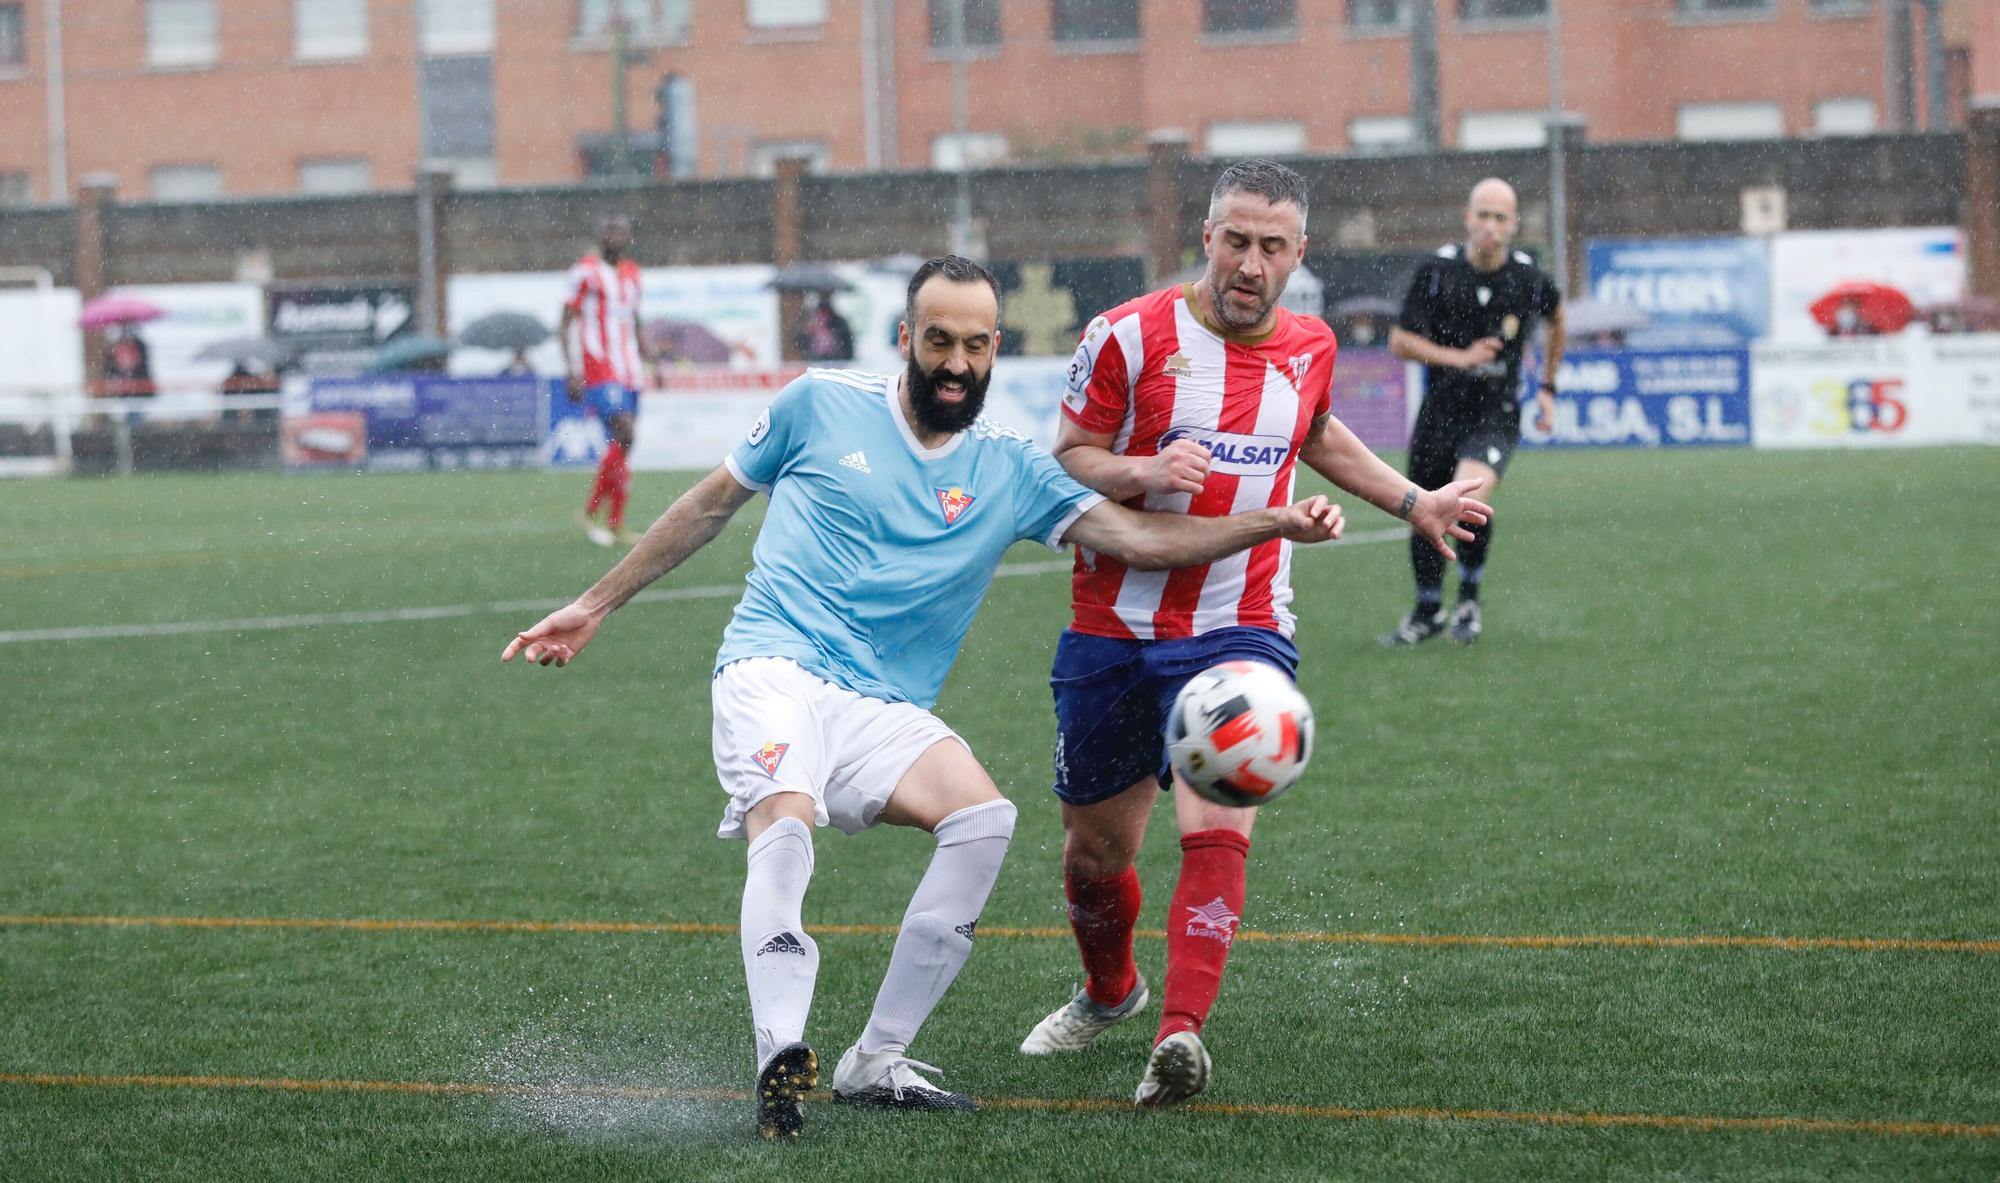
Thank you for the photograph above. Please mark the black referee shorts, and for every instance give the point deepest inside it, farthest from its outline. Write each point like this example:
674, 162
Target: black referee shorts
1446, 434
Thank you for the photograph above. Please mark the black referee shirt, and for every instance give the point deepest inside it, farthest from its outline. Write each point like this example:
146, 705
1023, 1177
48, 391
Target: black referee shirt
1452, 304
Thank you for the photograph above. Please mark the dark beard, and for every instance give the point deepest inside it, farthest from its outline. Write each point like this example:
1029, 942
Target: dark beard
935, 415
1222, 314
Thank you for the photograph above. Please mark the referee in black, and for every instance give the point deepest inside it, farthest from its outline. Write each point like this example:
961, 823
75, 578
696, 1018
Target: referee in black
1470, 311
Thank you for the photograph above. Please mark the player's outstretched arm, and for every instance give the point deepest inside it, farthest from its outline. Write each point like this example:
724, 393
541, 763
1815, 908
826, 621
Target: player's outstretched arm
1159, 541
1339, 455
695, 518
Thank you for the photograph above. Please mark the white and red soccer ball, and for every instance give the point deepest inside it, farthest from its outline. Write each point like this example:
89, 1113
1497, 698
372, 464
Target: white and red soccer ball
1240, 733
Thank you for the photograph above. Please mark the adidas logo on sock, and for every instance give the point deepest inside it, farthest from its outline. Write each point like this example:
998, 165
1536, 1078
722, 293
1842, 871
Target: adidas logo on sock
784, 942
965, 930
857, 462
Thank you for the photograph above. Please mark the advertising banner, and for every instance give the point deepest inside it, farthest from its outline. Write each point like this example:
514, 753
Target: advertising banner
1698, 292
337, 327
1882, 392
1927, 265
1634, 398
402, 421
1369, 394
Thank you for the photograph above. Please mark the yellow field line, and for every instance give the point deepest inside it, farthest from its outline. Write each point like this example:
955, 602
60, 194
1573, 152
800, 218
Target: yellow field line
1668, 1121
697, 928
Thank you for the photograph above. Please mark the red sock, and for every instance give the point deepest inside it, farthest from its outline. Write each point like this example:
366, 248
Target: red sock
609, 467
1102, 912
1201, 925
621, 486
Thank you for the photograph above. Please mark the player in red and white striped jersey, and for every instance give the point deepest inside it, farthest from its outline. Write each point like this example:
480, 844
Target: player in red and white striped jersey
600, 320
1199, 399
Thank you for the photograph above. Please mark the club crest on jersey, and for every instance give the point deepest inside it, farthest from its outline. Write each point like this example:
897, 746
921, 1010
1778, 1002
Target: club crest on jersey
1509, 326
1300, 363
770, 756
952, 502
1177, 365
1484, 295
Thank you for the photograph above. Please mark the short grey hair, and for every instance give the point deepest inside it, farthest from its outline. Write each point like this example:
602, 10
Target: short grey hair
1267, 179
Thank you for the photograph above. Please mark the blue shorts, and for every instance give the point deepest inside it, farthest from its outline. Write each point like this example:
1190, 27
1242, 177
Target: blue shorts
610, 399
1112, 697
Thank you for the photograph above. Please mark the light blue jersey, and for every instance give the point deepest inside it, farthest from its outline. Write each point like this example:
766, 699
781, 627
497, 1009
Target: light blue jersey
876, 551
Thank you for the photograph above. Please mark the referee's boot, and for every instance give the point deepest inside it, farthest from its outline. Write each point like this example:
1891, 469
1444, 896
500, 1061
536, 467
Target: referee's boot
1465, 624
1416, 628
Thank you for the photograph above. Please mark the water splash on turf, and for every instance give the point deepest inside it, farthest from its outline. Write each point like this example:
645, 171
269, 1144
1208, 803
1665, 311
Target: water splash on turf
588, 1081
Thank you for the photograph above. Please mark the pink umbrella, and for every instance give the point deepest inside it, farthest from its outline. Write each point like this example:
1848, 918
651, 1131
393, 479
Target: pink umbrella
115, 309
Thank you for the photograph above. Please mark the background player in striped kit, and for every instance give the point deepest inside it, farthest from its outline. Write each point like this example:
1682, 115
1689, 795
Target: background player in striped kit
1199, 399
892, 503
602, 313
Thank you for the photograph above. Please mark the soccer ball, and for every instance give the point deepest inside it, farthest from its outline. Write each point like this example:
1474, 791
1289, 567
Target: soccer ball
1240, 733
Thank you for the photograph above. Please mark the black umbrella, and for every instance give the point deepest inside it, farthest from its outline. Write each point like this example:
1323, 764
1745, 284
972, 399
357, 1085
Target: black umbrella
245, 350
808, 277
408, 353
504, 330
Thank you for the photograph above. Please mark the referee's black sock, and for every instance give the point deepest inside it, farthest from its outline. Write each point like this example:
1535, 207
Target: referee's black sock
1472, 561
1429, 565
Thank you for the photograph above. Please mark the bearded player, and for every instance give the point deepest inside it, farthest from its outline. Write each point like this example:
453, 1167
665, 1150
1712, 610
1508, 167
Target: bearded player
1200, 399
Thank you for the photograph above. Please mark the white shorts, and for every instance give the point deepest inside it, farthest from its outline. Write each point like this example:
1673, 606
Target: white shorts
780, 728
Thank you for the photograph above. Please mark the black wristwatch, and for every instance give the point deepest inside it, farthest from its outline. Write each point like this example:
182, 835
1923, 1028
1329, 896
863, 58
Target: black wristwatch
1548, 386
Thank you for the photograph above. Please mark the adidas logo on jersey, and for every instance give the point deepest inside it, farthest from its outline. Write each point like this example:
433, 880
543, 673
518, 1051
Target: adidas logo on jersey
784, 942
965, 930
857, 462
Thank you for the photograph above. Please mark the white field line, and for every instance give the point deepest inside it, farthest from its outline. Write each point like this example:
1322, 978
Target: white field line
718, 591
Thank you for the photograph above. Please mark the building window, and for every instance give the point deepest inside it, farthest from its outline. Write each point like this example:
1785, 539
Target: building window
1502, 10
13, 38
187, 182
472, 172
974, 149
324, 29
1377, 134
982, 23
1725, 7
347, 175
1378, 14
180, 32
456, 105
765, 155
1729, 121
457, 26
661, 22
1221, 18
786, 14
1271, 137
1844, 117
16, 189
1485, 131
1072, 21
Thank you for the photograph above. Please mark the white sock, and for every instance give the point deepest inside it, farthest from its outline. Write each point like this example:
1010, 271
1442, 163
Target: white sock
780, 961
936, 936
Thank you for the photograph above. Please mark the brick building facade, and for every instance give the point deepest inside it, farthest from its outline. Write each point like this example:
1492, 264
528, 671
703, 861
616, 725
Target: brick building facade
193, 99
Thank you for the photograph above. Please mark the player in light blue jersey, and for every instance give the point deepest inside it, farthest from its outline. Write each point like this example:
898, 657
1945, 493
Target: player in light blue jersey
892, 503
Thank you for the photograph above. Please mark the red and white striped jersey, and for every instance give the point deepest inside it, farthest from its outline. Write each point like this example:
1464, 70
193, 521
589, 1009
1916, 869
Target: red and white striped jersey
1152, 371
606, 301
